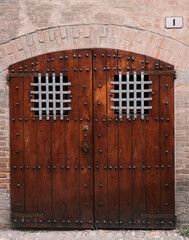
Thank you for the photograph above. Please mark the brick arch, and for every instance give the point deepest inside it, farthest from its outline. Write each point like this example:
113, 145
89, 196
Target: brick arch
92, 36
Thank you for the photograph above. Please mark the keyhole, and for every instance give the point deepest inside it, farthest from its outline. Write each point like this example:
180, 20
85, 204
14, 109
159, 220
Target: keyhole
173, 22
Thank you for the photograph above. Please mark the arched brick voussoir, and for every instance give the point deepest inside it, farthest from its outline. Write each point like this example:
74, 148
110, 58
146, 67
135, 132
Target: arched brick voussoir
94, 36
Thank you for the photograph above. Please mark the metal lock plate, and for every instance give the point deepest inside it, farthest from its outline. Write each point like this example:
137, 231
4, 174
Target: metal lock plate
85, 147
85, 128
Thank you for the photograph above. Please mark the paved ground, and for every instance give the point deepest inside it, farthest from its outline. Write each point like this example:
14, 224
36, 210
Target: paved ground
7, 234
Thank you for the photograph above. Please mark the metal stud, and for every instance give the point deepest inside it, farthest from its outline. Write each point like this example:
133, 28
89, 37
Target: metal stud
98, 103
85, 103
74, 56
85, 204
166, 204
102, 54
99, 85
128, 68
87, 55
17, 87
75, 167
48, 167
84, 86
97, 167
110, 167
63, 221
66, 57
100, 151
75, 69
108, 68
17, 134
134, 167
95, 120
82, 167
95, 69
100, 203
119, 56
105, 167
54, 167
14, 167
166, 152
129, 167
87, 70
121, 167
18, 185
76, 221
79, 56
99, 135
62, 167
104, 69
168, 119
68, 167
95, 55
166, 85
81, 221
88, 119
100, 185
85, 185
89, 167
80, 69
103, 120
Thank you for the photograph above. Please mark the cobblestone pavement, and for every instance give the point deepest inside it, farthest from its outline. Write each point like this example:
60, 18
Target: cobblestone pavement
7, 234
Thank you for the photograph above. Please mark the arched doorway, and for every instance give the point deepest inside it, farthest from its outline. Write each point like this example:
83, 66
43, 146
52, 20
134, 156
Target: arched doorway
92, 141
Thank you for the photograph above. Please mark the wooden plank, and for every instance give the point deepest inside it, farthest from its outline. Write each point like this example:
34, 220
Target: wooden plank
57, 62
44, 172
124, 59
167, 144
152, 156
138, 62
58, 155
44, 157
58, 172
125, 159
138, 152
17, 151
72, 141
85, 136
100, 138
30, 150
29, 66
112, 145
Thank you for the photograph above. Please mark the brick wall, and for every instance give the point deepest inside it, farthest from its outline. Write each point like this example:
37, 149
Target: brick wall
26, 31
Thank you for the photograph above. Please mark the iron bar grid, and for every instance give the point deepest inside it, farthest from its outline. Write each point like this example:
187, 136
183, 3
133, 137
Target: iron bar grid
132, 95
50, 98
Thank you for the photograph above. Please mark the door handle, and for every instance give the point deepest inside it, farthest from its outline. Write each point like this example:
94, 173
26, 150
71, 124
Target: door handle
85, 147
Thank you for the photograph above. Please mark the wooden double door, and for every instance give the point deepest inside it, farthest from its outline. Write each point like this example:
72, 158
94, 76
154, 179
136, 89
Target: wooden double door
79, 157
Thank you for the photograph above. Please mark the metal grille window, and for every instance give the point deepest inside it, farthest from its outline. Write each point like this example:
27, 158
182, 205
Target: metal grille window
50, 96
131, 95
